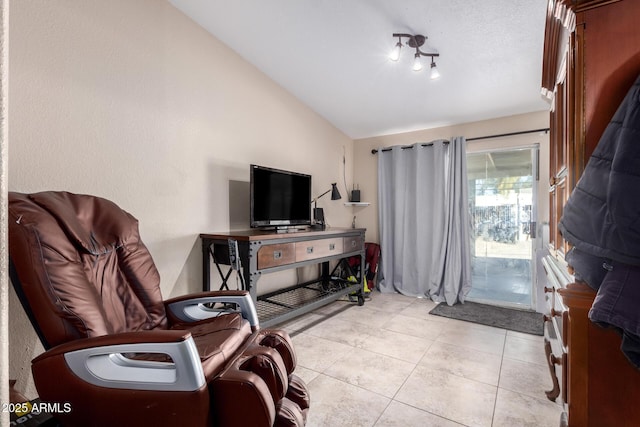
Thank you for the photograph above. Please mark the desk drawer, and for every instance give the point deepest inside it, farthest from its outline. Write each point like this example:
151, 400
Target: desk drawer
318, 249
353, 243
276, 254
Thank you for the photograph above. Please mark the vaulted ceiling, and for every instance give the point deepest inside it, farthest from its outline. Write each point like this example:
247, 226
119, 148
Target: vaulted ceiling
333, 56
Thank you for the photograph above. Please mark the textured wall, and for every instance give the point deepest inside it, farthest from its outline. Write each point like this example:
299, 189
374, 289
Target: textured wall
132, 101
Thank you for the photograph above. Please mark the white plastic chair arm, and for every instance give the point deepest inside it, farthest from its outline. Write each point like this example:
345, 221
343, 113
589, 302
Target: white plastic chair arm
195, 309
108, 367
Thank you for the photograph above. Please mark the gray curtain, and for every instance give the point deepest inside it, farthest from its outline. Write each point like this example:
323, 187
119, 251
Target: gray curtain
424, 220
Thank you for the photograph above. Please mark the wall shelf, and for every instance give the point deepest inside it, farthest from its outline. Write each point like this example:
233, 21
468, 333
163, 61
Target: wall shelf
357, 203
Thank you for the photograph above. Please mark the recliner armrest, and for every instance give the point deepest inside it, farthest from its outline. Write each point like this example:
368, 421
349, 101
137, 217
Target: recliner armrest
155, 336
195, 307
104, 361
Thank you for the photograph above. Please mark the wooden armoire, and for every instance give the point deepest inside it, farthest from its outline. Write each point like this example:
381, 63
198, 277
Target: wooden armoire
591, 59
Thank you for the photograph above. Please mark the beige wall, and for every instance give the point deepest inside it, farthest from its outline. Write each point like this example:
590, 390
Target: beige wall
132, 101
366, 167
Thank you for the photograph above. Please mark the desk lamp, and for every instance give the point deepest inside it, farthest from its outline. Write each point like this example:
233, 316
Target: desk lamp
318, 213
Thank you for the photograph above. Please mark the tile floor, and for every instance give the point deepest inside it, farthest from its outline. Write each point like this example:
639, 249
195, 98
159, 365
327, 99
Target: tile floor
391, 363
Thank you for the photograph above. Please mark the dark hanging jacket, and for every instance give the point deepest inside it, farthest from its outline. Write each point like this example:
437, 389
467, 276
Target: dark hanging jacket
602, 221
602, 216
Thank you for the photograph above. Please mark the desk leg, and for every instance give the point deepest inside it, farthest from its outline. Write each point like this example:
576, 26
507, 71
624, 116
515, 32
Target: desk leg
362, 278
249, 280
206, 265
325, 275
250, 284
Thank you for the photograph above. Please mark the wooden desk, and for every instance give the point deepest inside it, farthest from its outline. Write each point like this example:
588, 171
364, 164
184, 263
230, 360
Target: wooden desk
263, 252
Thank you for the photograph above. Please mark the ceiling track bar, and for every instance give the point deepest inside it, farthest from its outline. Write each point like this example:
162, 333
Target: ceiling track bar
415, 41
501, 135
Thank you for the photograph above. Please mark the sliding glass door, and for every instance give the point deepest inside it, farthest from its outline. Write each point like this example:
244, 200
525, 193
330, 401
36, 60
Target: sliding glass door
502, 202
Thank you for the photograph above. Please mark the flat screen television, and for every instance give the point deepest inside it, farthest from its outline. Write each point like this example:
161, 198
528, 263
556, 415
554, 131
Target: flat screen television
279, 198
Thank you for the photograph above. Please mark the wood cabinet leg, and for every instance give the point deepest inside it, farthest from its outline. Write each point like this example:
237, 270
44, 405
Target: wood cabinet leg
552, 394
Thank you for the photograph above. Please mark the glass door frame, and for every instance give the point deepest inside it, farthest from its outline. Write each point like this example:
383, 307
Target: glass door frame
535, 239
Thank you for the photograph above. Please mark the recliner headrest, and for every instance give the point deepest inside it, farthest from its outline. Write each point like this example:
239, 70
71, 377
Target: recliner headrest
80, 216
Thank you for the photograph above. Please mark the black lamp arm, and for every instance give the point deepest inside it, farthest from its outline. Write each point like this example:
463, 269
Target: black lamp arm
326, 192
335, 194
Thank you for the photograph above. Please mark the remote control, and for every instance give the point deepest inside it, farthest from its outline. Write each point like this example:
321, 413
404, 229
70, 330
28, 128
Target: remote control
234, 259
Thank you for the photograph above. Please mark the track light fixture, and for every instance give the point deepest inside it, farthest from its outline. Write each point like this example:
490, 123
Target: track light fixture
415, 41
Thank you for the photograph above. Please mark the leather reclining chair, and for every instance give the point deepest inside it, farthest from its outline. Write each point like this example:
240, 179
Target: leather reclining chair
118, 354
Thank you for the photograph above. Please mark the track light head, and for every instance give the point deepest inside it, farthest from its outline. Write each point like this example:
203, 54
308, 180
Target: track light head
395, 53
434, 74
417, 62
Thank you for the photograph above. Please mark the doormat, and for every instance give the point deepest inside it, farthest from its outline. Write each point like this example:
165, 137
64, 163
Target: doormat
528, 322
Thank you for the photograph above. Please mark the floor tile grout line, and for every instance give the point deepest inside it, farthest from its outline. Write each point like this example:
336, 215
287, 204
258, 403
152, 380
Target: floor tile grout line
416, 365
495, 402
382, 413
393, 399
433, 341
467, 347
368, 333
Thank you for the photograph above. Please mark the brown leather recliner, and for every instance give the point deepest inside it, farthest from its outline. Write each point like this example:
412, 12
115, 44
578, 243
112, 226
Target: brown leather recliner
117, 354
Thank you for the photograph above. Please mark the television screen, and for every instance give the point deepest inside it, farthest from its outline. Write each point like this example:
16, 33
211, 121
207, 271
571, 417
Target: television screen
279, 198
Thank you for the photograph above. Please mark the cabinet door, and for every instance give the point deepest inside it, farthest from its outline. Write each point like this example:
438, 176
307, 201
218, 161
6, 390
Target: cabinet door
561, 142
611, 62
564, 147
557, 198
561, 195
